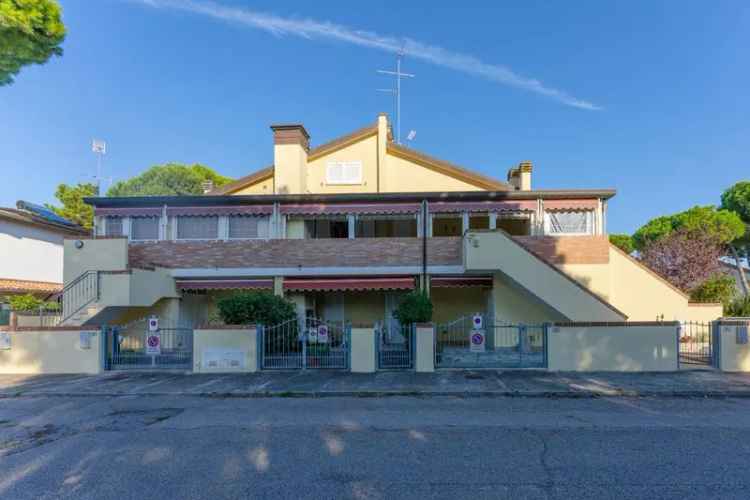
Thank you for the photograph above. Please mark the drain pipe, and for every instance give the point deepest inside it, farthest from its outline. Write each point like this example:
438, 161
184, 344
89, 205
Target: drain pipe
424, 246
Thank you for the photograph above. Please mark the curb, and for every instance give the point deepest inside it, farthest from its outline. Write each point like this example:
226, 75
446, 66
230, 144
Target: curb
388, 394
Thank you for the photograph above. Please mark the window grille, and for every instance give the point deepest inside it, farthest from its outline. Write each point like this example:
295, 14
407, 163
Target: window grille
580, 222
197, 227
144, 228
113, 226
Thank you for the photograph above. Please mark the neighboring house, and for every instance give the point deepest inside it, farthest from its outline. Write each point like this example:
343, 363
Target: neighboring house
346, 228
729, 266
31, 251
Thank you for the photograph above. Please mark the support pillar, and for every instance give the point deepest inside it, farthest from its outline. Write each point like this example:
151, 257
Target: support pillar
278, 286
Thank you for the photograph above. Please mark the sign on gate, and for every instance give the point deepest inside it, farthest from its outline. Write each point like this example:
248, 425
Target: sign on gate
477, 341
153, 344
477, 321
323, 334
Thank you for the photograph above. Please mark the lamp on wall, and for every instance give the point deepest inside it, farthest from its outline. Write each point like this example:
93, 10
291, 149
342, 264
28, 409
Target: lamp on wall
79, 244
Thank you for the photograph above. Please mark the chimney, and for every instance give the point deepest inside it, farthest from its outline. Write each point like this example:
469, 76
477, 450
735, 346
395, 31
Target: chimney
520, 177
290, 146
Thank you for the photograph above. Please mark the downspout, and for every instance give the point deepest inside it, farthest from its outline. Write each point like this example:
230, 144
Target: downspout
424, 246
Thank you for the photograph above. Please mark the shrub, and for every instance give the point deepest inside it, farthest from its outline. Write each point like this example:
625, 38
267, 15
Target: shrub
622, 241
255, 307
415, 307
29, 302
738, 308
718, 288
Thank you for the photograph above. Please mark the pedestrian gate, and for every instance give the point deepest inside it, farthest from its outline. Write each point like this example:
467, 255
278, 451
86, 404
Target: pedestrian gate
696, 343
498, 345
395, 343
135, 345
305, 344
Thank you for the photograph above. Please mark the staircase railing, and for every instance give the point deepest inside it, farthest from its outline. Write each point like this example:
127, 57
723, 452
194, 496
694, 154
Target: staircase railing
79, 293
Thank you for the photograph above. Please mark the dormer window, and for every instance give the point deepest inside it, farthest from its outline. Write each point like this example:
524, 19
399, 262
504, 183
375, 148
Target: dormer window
344, 172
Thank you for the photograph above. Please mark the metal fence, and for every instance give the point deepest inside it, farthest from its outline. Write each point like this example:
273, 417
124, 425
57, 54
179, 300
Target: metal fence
312, 343
126, 346
506, 345
696, 343
395, 344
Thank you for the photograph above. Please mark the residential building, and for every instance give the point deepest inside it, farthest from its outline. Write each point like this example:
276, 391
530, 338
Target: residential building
346, 228
31, 252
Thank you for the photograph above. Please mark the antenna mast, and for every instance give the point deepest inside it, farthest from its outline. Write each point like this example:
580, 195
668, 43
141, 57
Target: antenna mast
397, 91
99, 147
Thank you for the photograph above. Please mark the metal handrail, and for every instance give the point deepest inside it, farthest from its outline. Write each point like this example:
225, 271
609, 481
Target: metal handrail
79, 293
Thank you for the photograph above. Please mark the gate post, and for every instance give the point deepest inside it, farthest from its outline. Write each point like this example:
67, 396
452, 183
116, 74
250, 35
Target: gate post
424, 343
363, 350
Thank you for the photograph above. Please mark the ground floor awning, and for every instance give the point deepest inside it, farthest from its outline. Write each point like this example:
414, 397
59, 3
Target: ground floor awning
225, 284
341, 284
460, 281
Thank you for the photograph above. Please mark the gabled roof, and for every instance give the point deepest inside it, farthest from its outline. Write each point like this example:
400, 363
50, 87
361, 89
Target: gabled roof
447, 168
28, 218
425, 160
28, 286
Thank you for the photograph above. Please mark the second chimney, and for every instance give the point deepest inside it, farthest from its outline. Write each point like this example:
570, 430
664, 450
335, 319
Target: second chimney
290, 146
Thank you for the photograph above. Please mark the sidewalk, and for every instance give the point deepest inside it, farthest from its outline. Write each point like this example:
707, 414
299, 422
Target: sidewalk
312, 383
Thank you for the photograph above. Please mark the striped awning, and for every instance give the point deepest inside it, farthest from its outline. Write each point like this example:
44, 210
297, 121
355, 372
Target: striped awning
225, 284
347, 208
482, 206
340, 284
571, 204
129, 211
460, 281
228, 210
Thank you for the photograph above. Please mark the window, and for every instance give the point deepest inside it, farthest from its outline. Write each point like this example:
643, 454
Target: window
113, 226
515, 226
344, 172
568, 222
447, 225
144, 228
478, 221
197, 227
244, 227
326, 228
380, 227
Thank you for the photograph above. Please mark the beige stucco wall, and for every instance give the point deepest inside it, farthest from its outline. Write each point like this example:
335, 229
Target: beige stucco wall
51, 351
424, 345
704, 313
595, 277
513, 304
452, 303
364, 307
365, 151
612, 348
290, 162
264, 186
363, 350
110, 254
138, 288
402, 175
30, 253
496, 251
733, 357
234, 340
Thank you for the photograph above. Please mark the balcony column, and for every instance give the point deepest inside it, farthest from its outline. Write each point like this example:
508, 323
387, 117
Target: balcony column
464, 222
278, 286
351, 224
493, 221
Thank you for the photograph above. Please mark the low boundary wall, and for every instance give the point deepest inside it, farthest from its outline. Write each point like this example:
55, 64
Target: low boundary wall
733, 345
225, 349
54, 350
624, 347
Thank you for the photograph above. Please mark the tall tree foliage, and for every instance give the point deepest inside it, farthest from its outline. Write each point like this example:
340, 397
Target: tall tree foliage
622, 241
171, 179
73, 207
31, 32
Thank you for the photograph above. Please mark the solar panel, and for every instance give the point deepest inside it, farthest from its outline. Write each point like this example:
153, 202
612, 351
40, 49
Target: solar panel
44, 213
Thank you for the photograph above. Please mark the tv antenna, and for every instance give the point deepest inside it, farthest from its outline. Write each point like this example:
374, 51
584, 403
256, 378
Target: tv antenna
397, 90
99, 147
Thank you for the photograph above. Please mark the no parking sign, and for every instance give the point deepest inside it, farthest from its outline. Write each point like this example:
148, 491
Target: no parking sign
153, 339
476, 341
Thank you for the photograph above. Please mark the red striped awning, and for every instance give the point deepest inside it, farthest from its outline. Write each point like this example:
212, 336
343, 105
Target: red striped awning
571, 204
343, 209
483, 206
128, 211
226, 284
228, 210
460, 281
337, 284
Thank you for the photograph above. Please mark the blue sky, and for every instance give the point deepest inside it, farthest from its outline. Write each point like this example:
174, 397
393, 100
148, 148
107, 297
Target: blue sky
165, 84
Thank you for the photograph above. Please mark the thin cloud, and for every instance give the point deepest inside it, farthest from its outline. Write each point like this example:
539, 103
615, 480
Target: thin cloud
311, 29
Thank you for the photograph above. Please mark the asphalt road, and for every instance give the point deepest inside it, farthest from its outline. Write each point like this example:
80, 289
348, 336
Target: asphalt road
189, 447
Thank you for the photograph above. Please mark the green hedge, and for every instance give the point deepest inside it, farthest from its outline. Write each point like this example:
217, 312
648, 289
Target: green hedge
262, 308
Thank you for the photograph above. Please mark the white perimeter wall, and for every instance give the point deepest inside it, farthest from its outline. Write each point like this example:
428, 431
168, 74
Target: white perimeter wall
30, 253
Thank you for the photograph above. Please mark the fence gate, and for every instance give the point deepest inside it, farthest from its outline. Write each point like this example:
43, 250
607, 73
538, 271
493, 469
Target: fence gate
506, 345
696, 343
127, 346
312, 343
395, 345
